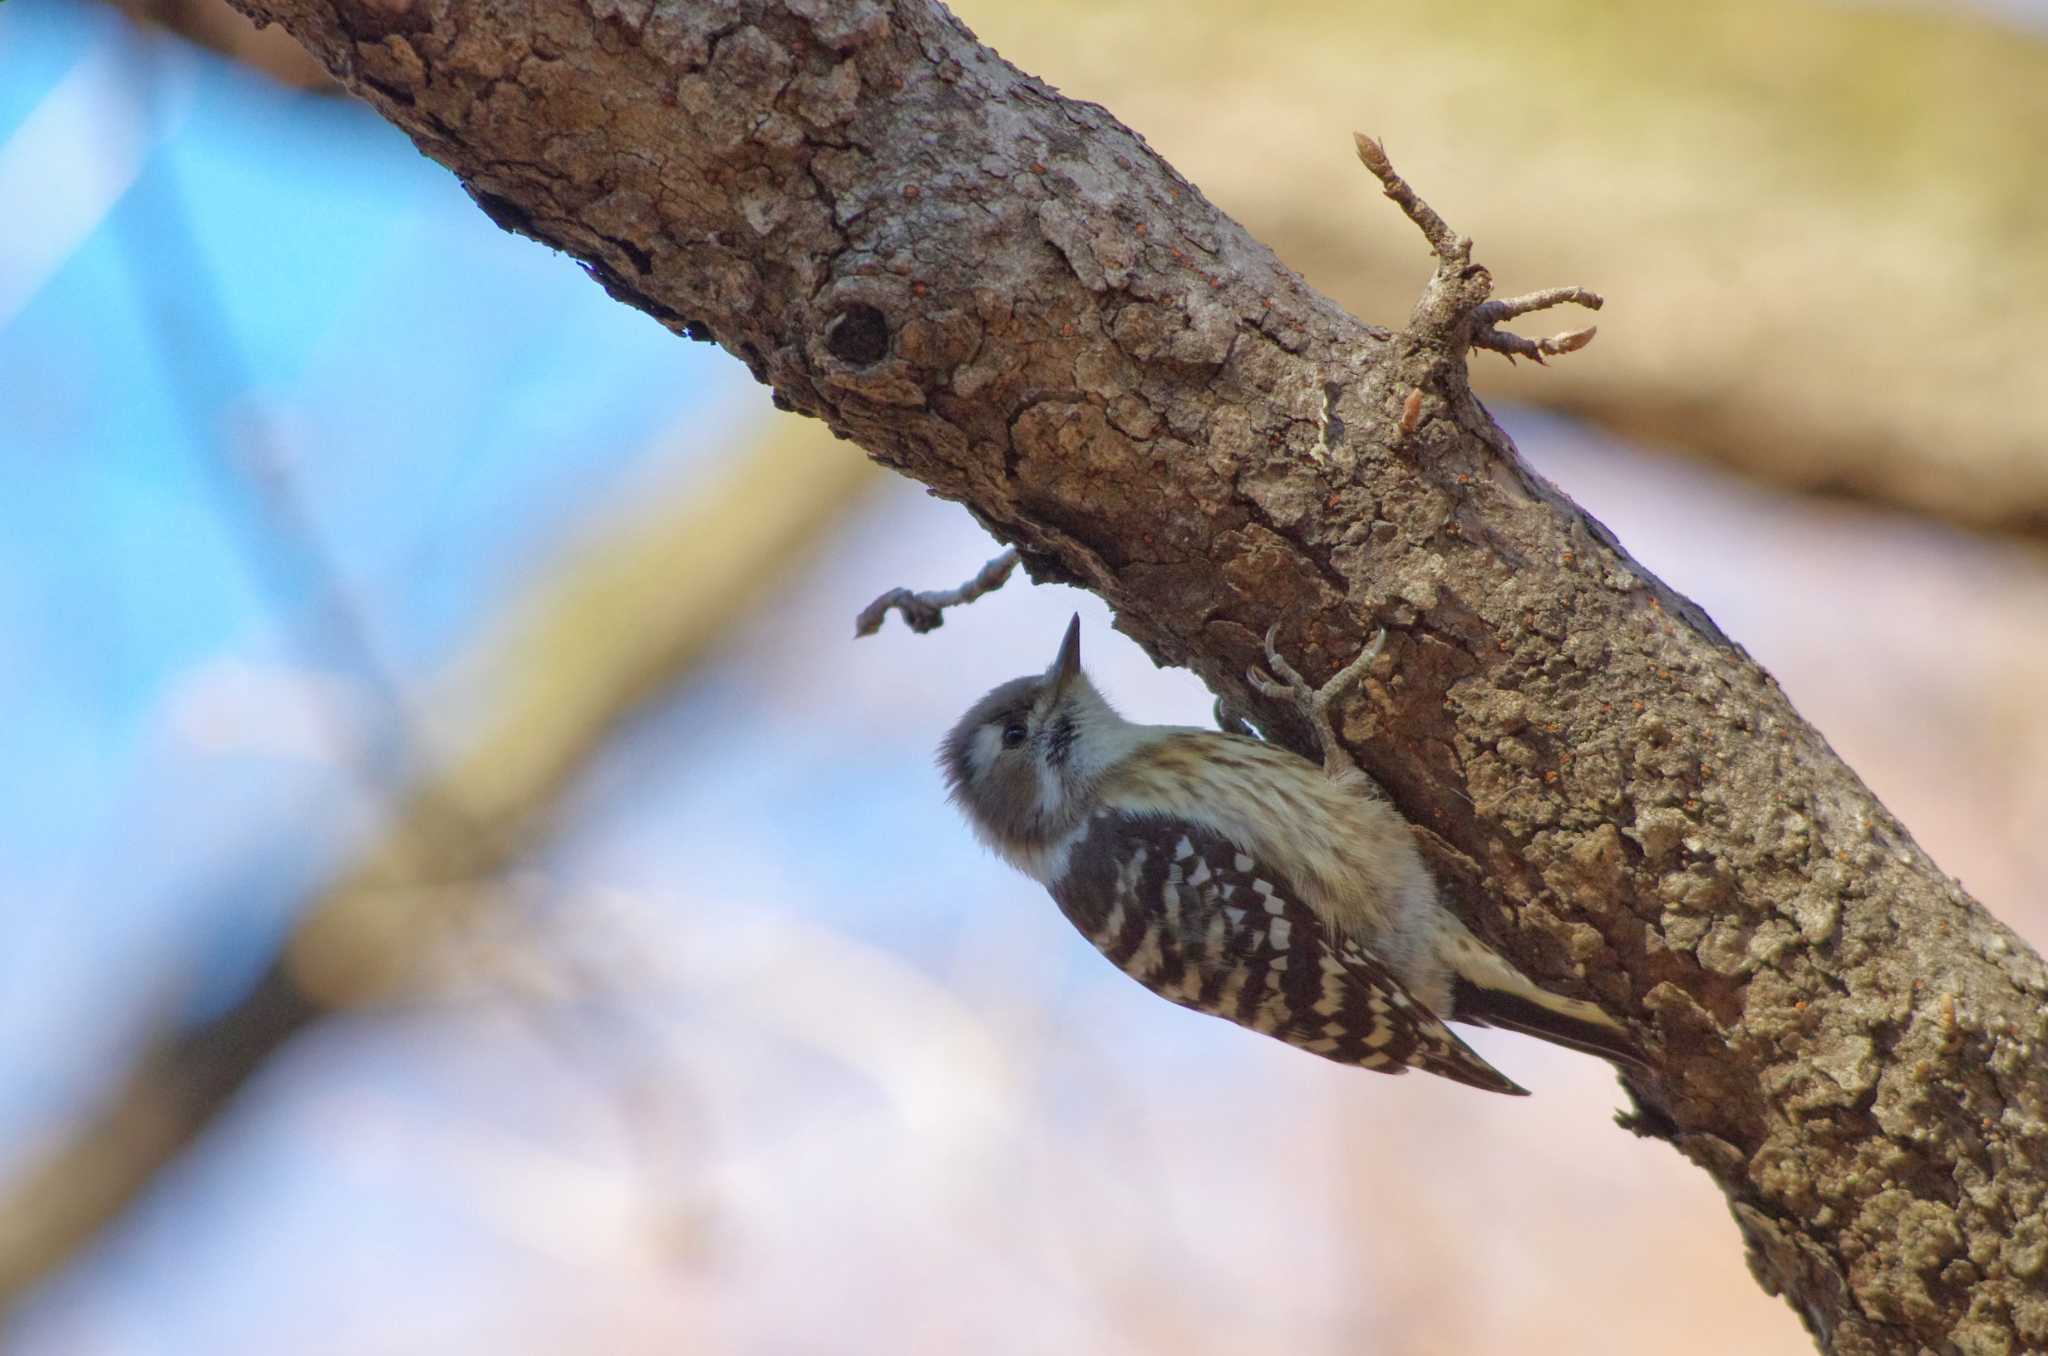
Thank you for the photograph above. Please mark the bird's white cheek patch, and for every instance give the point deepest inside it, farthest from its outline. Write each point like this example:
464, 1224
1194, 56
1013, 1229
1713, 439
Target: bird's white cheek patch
1050, 863
1052, 792
981, 750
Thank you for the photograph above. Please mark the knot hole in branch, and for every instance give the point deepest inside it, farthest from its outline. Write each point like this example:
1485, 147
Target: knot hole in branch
858, 336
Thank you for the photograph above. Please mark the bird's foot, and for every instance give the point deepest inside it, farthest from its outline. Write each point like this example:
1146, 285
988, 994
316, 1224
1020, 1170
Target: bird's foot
1285, 683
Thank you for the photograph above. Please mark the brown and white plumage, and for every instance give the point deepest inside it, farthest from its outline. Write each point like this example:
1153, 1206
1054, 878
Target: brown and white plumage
1236, 878
1191, 917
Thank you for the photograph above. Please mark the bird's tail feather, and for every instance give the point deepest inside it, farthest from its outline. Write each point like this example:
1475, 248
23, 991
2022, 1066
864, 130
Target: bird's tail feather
1546, 1016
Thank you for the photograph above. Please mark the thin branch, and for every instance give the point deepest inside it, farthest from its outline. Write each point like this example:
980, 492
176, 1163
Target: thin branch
1485, 334
246, 463
1448, 244
1507, 308
924, 612
1456, 298
1513, 346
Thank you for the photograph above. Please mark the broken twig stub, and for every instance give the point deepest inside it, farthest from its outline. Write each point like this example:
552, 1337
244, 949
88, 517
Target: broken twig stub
924, 612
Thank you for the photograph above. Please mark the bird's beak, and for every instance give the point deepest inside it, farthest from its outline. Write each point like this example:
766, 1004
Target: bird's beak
1067, 666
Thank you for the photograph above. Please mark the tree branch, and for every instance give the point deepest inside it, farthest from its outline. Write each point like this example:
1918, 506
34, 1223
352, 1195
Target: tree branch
1478, 320
926, 611
1009, 296
1943, 438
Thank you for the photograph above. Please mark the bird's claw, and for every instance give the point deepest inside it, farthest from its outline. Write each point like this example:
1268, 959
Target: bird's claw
1230, 720
1314, 703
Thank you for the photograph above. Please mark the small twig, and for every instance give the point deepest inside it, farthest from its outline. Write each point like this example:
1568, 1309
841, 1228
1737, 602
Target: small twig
1447, 243
1513, 346
924, 612
1448, 305
1507, 308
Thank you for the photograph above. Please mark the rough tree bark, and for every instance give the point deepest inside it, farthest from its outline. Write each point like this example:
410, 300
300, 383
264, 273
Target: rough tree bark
1008, 296
1675, 148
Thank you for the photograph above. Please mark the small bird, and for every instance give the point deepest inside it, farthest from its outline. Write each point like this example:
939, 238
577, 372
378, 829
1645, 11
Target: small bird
1236, 878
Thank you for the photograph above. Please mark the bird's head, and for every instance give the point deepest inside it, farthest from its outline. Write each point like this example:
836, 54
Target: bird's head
1024, 762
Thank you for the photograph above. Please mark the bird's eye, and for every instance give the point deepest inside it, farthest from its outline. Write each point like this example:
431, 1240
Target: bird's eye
1014, 734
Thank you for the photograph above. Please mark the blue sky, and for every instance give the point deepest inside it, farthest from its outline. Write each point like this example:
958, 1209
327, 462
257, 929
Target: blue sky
446, 399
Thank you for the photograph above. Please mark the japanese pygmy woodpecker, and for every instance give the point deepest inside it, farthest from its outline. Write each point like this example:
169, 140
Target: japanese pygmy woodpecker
1238, 879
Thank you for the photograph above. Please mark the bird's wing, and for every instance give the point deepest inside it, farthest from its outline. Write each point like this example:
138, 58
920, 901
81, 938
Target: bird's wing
1199, 921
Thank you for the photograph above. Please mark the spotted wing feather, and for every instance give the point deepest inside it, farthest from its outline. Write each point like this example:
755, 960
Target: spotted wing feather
1185, 913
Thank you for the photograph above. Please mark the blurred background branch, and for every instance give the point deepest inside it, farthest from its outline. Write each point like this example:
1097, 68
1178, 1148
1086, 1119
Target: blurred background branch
218, 27
611, 633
